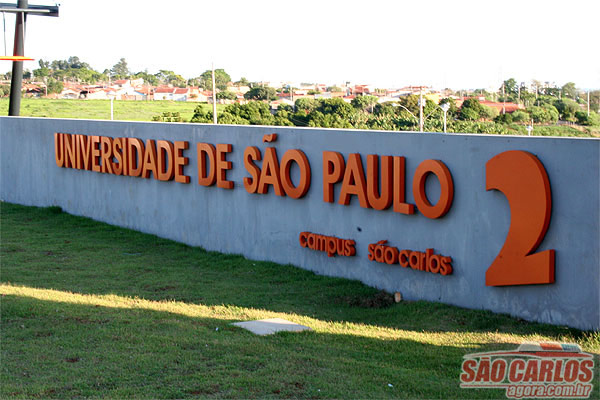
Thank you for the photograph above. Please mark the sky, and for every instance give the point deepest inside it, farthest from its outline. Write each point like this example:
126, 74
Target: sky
460, 44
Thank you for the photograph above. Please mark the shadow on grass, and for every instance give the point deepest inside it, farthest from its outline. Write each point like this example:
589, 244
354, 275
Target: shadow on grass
50, 249
57, 349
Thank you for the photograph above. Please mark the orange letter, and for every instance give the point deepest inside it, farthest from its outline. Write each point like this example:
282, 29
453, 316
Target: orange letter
440, 170
354, 182
84, 144
70, 151
135, 160
376, 200
302, 238
286, 180
399, 188
117, 166
251, 154
333, 169
59, 150
180, 161
269, 174
164, 150
95, 153
223, 165
106, 150
446, 267
78, 158
149, 160
204, 178
403, 258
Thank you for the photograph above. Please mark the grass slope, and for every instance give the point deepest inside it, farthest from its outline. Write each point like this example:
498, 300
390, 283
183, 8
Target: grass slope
93, 310
100, 109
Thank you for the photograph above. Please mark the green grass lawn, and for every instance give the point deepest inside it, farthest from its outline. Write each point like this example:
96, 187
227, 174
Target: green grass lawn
100, 109
93, 310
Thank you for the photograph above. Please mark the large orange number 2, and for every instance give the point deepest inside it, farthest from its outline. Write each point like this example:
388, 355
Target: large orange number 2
523, 180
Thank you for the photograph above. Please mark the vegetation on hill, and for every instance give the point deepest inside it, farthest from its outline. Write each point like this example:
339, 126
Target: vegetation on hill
552, 110
363, 113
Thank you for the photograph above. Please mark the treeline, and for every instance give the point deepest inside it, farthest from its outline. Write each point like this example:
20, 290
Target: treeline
365, 113
75, 70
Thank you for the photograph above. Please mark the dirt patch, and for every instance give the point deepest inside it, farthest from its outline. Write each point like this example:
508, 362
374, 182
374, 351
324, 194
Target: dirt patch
380, 299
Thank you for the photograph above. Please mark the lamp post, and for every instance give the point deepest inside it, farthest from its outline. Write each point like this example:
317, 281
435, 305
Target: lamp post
407, 110
529, 129
445, 107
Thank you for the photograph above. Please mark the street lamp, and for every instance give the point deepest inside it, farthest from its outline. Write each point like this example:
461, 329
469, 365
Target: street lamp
445, 107
400, 105
529, 129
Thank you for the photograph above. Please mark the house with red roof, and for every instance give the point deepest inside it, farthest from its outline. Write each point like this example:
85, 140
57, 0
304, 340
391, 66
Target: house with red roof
164, 93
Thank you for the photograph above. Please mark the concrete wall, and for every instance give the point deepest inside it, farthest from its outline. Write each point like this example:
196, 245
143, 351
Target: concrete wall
266, 227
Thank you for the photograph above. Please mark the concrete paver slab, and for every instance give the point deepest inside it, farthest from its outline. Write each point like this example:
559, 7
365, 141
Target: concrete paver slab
270, 326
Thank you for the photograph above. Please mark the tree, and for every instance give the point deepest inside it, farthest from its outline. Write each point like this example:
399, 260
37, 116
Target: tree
364, 103
527, 98
306, 105
336, 106
334, 89
120, 69
469, 114
242, 82
254, 112
411, 102
488, 112
4, 90
510, 87
59, 65
222, 78
470, 110
54, 86
43, 70
226, 95
583, 119
537, 86
201, 115
520, 116
453, 110
386, 109
595, 100
567, 109
75, 63
504, 119
261, 93
170, 78
148, 78
569, 90
544, 114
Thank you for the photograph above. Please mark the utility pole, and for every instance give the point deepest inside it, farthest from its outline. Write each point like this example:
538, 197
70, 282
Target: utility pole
214, 95
421, 109
21, 9
588, 102
503, 99
14, 107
